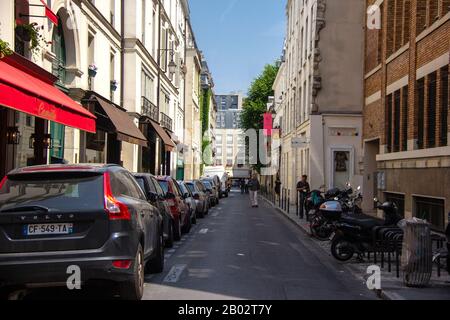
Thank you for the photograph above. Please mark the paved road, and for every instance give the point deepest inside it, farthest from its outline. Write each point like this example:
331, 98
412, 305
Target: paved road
242, 253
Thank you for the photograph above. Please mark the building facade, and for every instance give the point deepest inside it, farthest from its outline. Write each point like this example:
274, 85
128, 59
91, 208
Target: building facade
406, 112
321, 102
230, 138
193, 136
122, 66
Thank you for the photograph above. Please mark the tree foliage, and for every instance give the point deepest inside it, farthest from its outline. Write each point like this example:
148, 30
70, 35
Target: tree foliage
255, 105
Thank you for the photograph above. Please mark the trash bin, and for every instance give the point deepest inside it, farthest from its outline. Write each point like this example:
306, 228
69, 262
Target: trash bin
417, 255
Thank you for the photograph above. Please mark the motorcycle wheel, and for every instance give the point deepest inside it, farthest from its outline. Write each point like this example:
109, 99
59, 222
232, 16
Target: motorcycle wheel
342, 250
319, 231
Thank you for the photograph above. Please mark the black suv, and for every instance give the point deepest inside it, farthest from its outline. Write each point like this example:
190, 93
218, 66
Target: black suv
156, 196
91, 217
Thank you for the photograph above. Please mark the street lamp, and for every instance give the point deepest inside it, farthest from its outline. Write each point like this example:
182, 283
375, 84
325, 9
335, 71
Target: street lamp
172, 66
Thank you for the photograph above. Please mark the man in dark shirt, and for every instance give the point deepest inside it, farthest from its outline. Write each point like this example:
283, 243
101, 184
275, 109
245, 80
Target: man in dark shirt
303, 189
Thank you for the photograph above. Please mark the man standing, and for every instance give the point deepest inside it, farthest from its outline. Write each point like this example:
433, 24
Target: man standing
254, 187
278, 187
242, 185
303, 189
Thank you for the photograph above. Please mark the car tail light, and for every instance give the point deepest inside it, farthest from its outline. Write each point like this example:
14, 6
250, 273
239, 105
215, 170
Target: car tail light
122, 264
115, 209
2, 183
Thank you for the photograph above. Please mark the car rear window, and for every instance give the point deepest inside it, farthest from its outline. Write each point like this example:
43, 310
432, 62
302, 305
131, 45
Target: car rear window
141, 183
62, 193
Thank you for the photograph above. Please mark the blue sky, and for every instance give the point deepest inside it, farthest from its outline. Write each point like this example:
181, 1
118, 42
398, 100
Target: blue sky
238, 37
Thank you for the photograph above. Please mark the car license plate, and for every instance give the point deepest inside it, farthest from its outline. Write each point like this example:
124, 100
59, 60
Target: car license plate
48, 229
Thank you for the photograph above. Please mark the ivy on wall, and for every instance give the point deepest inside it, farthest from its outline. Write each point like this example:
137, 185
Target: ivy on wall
205, 107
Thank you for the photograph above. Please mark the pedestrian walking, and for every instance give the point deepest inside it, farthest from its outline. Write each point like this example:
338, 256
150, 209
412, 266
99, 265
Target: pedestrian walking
242, 185
303, 189
254, 186
246, 186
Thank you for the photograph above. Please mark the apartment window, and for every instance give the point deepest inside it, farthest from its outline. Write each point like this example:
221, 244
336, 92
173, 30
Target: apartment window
148, 85
444, 107
431, 111
420, 112
405, 115
112, 72
219, 152
397, 124
432, 210
164, 53
143, 25
229, 151
112, 12
230, 139
389, 123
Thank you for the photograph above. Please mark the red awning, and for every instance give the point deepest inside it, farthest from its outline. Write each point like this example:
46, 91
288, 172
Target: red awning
29, 93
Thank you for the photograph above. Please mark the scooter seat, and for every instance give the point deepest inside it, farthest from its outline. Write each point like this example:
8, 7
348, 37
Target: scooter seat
362, 221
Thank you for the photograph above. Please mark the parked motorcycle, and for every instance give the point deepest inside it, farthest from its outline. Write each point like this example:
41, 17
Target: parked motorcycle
324, 218
354, 234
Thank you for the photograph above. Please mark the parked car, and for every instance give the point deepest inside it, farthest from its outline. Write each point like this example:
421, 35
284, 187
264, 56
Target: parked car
222, 176
92, 216
177, 205
190, 201
198, 191
157, 197
215, 189
212, 193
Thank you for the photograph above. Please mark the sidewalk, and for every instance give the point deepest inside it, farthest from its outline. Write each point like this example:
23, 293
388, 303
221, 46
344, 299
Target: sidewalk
392, 287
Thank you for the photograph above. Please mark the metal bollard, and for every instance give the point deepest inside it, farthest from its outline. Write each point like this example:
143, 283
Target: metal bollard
289, 202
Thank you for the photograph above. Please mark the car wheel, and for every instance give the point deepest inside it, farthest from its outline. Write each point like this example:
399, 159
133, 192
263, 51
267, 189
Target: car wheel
156, 265
134, 289
170, 240
177, 230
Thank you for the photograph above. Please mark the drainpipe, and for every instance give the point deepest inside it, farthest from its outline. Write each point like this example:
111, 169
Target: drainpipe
158, 90
122, 53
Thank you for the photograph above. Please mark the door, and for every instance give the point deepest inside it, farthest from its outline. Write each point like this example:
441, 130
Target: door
57, 132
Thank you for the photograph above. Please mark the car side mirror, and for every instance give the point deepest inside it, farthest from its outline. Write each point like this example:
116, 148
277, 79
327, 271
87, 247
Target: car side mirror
152, 197
170, 196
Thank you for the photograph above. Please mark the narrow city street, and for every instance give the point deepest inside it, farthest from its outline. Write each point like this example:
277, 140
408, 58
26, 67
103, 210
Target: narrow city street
242, 253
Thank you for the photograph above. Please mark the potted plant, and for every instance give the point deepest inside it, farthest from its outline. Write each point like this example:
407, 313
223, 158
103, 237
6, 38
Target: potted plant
30, 33
92, 71
5, 50
114, 85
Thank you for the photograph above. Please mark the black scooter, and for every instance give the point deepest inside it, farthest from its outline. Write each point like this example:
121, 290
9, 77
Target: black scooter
355, 234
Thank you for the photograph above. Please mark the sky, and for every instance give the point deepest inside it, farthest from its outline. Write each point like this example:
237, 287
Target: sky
238, 37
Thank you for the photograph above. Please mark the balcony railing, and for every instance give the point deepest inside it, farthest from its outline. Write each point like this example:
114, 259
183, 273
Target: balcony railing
166, 121
149, 109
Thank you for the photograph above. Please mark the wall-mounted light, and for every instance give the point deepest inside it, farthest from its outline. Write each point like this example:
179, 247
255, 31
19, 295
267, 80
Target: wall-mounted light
47, 141
13, 135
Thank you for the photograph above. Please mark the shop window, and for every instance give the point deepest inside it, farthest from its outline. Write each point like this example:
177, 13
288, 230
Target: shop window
95, 147
432, 210
341, 168
399, 201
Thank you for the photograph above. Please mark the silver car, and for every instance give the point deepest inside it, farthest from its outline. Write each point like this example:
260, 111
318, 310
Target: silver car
189, 200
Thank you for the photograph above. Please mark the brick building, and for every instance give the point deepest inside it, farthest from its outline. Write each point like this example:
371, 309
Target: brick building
406, 112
